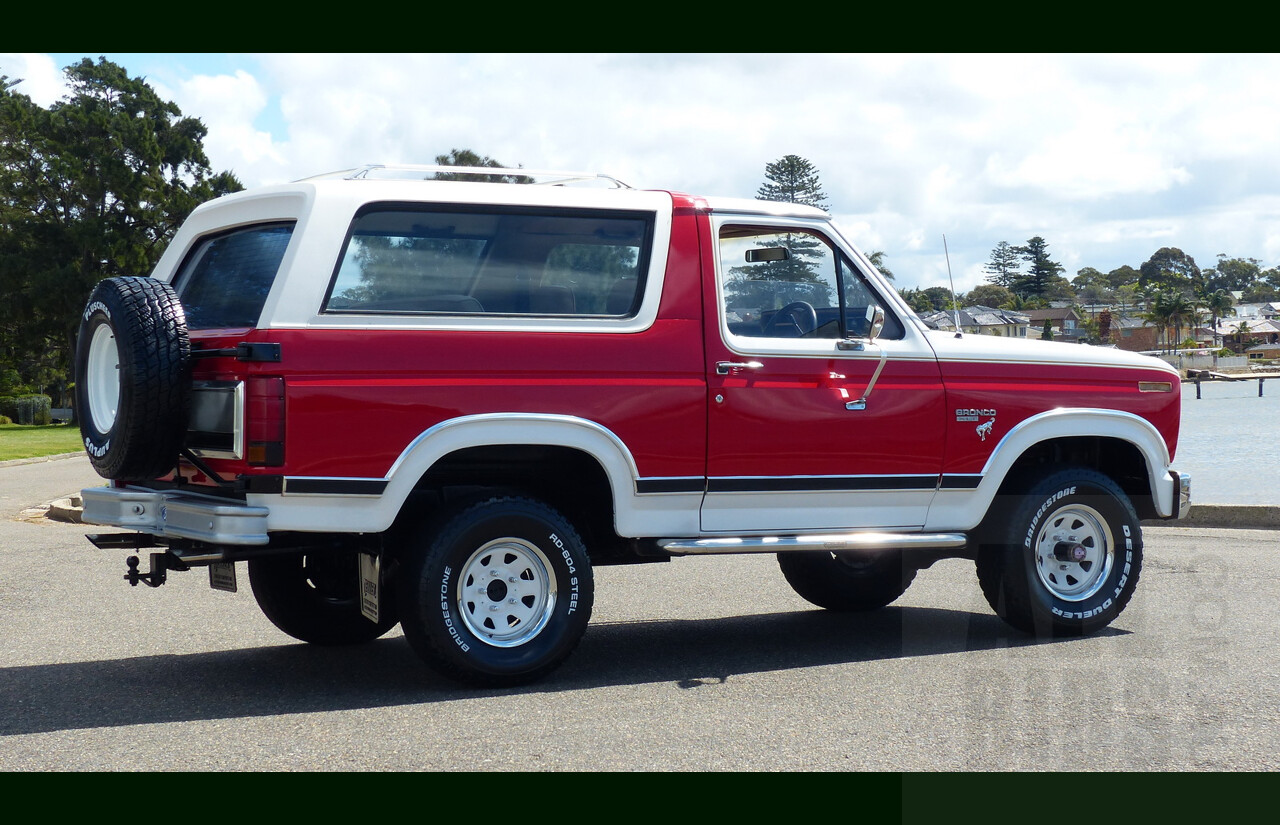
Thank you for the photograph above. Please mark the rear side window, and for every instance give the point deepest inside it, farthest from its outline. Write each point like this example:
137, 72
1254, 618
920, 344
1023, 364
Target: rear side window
225, 280
492, 261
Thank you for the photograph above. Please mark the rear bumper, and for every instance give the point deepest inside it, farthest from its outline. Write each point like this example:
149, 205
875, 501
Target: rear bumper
174, 514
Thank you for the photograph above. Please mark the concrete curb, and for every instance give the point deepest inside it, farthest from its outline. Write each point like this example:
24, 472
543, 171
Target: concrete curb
14, 462
1228, 516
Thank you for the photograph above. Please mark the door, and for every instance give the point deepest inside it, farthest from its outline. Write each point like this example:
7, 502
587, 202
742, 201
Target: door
811, 425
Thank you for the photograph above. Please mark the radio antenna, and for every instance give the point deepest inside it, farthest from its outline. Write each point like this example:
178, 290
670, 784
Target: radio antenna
955, 304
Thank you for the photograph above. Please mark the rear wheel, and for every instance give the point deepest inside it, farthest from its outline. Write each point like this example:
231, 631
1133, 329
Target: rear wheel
316, 598
496, 593
847, 581
1064, 559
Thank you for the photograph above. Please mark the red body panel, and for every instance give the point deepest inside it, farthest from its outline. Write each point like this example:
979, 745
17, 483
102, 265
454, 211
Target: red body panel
1018, 391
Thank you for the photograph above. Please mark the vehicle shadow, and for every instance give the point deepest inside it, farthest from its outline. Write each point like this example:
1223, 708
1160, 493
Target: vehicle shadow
300, 678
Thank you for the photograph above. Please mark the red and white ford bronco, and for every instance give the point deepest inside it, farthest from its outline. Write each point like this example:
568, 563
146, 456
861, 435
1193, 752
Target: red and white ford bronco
439, 403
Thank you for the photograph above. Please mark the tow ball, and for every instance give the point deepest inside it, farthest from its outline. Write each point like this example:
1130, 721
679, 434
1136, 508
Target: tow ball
161, 563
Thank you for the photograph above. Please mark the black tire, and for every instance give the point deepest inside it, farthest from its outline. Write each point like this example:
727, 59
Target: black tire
1063, 559
847, 582
316, 598
132, 378
496, 593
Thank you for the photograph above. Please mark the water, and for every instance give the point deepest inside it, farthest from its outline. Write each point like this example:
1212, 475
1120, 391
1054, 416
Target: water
1229, 442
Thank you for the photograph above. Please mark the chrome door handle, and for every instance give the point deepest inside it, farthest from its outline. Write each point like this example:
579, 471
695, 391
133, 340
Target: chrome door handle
724, 367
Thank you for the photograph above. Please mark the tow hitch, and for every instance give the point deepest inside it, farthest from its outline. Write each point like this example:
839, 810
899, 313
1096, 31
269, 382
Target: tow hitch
161, 563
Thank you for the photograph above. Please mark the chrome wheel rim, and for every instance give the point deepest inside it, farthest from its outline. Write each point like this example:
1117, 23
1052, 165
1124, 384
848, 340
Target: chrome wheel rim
506, 592
1075, 552
103, 376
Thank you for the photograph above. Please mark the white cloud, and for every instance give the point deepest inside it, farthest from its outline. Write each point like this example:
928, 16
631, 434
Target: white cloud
228, 106
42, 79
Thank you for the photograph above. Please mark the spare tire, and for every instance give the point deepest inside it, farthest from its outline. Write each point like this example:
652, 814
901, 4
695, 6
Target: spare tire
133, 378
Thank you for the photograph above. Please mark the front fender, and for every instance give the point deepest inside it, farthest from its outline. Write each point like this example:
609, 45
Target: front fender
964, 509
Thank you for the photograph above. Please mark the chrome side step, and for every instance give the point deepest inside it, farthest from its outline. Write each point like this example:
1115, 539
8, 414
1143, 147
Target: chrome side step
831, 543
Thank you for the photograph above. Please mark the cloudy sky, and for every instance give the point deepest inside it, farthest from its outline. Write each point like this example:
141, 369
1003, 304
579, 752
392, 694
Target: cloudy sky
1109, 158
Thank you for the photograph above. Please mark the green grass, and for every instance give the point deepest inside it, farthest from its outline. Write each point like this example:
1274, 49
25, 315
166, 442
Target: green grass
17, 441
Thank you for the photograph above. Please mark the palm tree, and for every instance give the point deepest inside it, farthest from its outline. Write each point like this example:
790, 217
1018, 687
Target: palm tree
1242, 329
1180, 309
1157, 313
1219, 303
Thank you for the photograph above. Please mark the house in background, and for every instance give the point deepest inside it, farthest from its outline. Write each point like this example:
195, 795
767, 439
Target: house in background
1134, 334
1063, 321
980, 320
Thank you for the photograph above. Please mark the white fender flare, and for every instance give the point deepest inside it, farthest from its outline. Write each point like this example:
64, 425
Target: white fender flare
964, 509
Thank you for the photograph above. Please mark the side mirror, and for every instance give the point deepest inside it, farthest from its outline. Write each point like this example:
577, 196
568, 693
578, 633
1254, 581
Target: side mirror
875, 325
875, 321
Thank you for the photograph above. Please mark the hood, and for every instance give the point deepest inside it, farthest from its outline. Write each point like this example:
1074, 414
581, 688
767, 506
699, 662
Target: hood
971, 347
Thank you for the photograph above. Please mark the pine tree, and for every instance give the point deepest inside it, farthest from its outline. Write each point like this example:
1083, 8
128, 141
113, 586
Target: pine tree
1004, 267
1042, 272
792, 179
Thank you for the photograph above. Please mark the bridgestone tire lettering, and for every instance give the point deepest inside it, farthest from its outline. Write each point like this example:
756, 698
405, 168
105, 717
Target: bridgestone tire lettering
1027, 560
132, 378
495, 592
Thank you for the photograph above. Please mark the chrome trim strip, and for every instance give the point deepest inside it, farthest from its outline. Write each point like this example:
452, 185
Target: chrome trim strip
832, 543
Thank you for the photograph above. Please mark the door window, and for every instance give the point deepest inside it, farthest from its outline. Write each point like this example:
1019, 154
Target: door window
792, 283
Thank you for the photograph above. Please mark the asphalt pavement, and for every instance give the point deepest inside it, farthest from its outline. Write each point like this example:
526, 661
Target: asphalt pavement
699, 664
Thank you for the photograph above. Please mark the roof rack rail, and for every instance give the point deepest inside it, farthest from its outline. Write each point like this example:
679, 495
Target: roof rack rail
421, 172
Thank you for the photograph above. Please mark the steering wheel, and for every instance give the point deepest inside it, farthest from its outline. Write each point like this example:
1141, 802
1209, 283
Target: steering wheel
800, 312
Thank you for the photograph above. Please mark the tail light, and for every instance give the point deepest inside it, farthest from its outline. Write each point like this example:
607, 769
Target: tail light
264, 427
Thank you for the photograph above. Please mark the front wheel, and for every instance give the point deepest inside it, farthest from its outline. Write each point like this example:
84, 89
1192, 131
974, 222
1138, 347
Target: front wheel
1064, 559
497, 593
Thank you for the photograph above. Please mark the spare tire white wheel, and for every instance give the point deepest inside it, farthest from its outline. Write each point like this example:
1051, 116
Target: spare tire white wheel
133, 378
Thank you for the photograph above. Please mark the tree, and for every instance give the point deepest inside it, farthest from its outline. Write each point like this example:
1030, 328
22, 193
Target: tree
1092, 287
466, 157
990, 295
1126, 296
1218, 303
1005, 267
90, 188
1171, 268
792, 179
1232, 274
1242, 329
1266, 288
877, 260
928, 301
1169, 309
1043, 274
1122, 276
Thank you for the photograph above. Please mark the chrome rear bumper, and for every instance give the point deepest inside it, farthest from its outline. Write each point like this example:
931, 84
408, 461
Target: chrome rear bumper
174, 514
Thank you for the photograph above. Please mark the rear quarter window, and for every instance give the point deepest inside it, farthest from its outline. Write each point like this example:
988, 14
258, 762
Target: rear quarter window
224, 280
492, 261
